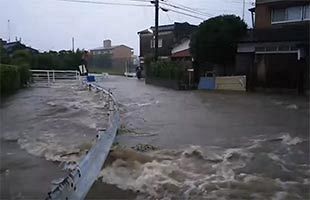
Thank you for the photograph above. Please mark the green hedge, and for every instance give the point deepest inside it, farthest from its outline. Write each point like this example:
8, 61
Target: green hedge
13, 77
167, 70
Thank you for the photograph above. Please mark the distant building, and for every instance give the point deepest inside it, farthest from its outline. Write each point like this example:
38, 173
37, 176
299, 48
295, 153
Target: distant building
275, 54
116, 51
117, 58
168, 37
2, 42
10, 47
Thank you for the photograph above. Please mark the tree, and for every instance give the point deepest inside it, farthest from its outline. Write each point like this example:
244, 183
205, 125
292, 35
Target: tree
216, 39
4, 57
21, 57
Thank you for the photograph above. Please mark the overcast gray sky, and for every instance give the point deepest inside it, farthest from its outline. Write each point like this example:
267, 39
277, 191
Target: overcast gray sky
50, 24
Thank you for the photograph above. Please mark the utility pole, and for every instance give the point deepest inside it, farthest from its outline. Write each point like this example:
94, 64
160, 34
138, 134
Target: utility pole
73, 44
243, 9
156, 29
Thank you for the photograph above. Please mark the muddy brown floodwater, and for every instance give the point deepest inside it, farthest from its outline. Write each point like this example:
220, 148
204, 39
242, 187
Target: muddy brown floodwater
171, 145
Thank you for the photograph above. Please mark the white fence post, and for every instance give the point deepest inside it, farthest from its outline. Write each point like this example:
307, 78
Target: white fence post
53, 76
48, 77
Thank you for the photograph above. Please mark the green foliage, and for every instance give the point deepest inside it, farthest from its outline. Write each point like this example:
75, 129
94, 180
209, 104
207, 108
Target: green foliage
216, 39
62, 60
14, 69
12, 78
24, 74
167, 70
4, 57
101, 61
21, 58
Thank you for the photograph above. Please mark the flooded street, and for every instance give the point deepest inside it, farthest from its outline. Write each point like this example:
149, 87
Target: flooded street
171, 145
209, 145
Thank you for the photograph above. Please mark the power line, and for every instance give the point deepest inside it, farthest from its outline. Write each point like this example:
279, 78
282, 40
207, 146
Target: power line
182, 13
106, 3
139, 5
169, 17
187, 9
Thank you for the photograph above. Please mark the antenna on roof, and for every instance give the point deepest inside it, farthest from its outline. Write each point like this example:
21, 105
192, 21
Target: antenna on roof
243, 9
9, 32
73, 44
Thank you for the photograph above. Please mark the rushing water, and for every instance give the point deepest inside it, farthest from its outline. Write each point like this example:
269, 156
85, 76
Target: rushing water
58, 123
172, 144
265, 168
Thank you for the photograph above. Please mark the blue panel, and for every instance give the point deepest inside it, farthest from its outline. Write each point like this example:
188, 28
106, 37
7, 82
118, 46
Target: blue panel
90, 78
206, 83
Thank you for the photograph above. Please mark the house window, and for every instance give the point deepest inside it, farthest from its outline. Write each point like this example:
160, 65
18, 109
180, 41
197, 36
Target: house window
290, 14
278, 15
306, 15
294, 13
160, 43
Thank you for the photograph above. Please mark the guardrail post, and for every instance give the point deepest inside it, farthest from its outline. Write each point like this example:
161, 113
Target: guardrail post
53, 76
48, 78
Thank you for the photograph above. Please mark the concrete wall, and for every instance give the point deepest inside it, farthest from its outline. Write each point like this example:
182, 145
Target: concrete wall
234, 83
173, 84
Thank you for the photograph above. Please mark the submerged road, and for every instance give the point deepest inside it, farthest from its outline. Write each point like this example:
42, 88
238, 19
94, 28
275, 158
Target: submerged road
179, 118
201, 145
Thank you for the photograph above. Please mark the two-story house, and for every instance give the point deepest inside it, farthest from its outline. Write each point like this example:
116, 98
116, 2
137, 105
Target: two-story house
116, 51
115, 57
168, 37
275, 53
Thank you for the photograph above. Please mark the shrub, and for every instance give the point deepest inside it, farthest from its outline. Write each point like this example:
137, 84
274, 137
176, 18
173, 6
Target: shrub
13, 77
168, 70
25, 75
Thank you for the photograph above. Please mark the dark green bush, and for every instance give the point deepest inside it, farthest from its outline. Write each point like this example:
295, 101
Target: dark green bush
168, 70
13, 77
25, 75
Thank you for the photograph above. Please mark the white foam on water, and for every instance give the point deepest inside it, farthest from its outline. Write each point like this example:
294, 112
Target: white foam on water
144, 104
292, 106
178, 174
51, 151
279, 196
289, 140
278, 102
196, 173
64, 124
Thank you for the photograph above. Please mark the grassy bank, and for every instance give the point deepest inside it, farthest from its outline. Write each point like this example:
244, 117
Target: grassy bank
12, 78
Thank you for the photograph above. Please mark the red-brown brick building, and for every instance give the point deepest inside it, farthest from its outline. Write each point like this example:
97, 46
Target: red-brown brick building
275, 53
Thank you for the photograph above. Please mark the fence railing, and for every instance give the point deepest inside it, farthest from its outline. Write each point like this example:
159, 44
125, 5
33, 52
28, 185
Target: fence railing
79, 181
50, 76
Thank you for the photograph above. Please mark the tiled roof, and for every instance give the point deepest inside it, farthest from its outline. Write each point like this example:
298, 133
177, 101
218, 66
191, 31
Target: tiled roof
168, 27
109, 48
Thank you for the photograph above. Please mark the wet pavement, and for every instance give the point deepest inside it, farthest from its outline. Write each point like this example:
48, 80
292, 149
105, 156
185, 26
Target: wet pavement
191, 144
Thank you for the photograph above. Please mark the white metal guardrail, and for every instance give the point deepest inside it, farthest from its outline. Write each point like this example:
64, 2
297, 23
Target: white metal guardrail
79, 181
50, 76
